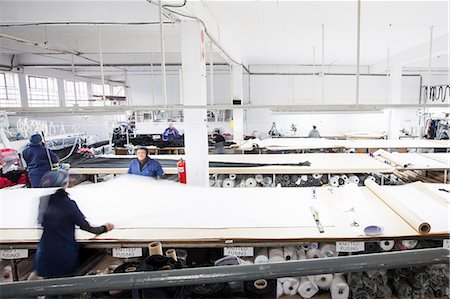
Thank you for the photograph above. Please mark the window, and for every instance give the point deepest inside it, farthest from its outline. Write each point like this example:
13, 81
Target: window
119, 91
76, 92
97, 94
9, 90
115, 95
42, 92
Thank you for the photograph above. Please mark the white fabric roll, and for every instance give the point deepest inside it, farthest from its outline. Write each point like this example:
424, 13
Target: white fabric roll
339, 288
262, 256
387, 245
354, 179
228, 183
276, 255
409, 244
267, 181
314, 254
290, 253
307, 288
328, 250
250, 183
371, 178
306, 246
259, 178
323, 281
317, 176
304, 177
314, 245
279, 289
290, 286
232, 176
301, 254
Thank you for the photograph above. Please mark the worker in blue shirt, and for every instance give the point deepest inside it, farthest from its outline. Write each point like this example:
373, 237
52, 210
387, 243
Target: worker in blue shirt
144, 165
39, 159
170, 133
57, 252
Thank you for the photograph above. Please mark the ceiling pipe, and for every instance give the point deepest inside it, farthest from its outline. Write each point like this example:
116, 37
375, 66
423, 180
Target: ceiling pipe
358, 46
163, 54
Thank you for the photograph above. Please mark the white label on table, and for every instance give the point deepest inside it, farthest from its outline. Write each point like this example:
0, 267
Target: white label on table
125, 253
4, 122
349, 246
12, 254
238, 251
446, 243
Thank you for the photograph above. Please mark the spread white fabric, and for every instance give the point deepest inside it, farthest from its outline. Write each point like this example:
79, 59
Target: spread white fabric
140, 202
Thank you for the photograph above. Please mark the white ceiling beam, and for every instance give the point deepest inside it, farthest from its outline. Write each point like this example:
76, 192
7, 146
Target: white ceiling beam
414, 55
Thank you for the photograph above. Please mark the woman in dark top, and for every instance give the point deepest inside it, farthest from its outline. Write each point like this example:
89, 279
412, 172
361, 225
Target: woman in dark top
57, 253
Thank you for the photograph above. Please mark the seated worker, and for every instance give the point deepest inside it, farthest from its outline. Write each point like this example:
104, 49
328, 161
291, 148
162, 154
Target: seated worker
219, 142
57, 252
39, 159
273, 132
314, 133
170, 133
144, 165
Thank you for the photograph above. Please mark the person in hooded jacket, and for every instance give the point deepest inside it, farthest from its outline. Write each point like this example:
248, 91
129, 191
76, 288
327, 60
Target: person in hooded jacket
39, 160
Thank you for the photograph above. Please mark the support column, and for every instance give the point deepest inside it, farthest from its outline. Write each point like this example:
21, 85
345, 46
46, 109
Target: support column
395, 97
194, 93
23, 90
237, 93
61, 92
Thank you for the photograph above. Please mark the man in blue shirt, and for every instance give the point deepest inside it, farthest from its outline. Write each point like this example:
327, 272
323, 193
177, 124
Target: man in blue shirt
144, 165
39, 160
170, 133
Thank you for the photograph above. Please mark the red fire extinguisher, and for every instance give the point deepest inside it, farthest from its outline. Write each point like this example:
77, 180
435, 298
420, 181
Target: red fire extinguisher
181, 165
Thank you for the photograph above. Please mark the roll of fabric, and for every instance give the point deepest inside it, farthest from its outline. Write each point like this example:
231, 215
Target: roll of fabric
267, 181
386, 245
232, 176
301, 254
261, 256
314, 245
402, 288
212, 183
339, 288
276, 255
289, 253
279, 289
409, 244
304, 178
250, 183
306, 246
314, 254
229, 260
323, 281
317, 176
261, 288
307, 288
354, 179
209, 290
228, 183
242, 184
290, 286
328, 250
218, 183
259, 178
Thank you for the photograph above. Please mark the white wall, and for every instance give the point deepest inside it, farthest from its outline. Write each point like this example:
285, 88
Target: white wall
327, 123
339, 89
